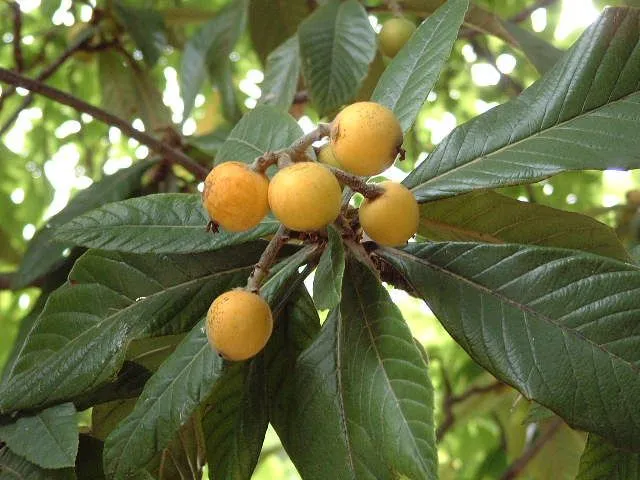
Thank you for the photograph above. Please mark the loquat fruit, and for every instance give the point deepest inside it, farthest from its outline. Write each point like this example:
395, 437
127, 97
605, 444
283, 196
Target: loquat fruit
394, 34
236, 196
305, 196
365, 138
239, 324
392, 218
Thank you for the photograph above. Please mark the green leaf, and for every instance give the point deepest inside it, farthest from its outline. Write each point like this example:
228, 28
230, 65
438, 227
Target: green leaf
281, 75
540, 53
209, 49
146, 27
261, 130
558, 325
89, 459
363, 402
327, 283
106, 416
210, 143
48, 439
149, 105
14, 467
43, 254
601, 460
78, 343
118, 95
171, 396
337, 44
493, 218
182, 16
407, 81
271, 23
582, 115
167, 402
161, 223
184, 456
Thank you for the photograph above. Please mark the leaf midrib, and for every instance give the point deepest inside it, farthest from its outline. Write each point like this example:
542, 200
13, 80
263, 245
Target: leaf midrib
585, 113
525, 308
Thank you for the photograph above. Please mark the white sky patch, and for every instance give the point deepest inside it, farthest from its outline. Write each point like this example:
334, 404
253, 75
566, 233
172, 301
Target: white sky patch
199, 100
28, 231
142, 151
422, 156
484, 75
28, 5
61, 173
23, 301
522, 198
432, 97
375, 24
575, 14
17, 196
482, 106
539, 20
67, 128
201, 187
28, 39
138, 124
454, 94
469, 53
171, 94
15, 138
23, 92
547, 189
250, 103
506, 63
255, 76
113, 164
249, 88
610, 200
306, 124
440, 128
85, 13
114, 135
189, 127
572, 199
395, 174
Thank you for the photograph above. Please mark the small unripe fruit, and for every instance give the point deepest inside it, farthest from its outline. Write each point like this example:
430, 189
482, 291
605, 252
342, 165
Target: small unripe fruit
394, 34
366, 138
326, 156
305, 196
392, 218
239, 324
236, 196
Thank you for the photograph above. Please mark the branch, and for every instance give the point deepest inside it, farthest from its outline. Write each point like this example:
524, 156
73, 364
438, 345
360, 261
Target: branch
368, 190
17, 36
59, 96
267, 259
527, 11
451, 400
523, 460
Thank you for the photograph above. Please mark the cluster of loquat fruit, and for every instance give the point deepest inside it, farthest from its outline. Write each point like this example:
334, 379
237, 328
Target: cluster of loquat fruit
306, 196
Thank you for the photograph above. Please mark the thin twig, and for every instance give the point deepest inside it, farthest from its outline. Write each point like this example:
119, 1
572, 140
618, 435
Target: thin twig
59, 96
268, 257
368, 190
527, 11
17, 36
42, 76
523, 460
451, 400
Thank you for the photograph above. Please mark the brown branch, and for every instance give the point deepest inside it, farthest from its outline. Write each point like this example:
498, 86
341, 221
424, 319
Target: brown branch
368, 190
523, 460
268, 257
17, 36
451, 400
59, 96
527, 11
42, 76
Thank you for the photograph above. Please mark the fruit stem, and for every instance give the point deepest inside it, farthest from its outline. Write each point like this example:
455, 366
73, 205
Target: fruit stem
368, 190
267, 259
298, 147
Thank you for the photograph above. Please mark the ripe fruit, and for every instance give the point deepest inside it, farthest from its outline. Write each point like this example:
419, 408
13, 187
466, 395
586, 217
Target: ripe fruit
366, 138
236, 196
392, 218
326, 156
239, 324
394, 34
305, 196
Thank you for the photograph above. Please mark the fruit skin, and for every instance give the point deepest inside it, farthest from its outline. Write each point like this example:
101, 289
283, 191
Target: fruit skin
365, 138
326, 156
392, 218
305, 196
239, 324
236, 196
394, 34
